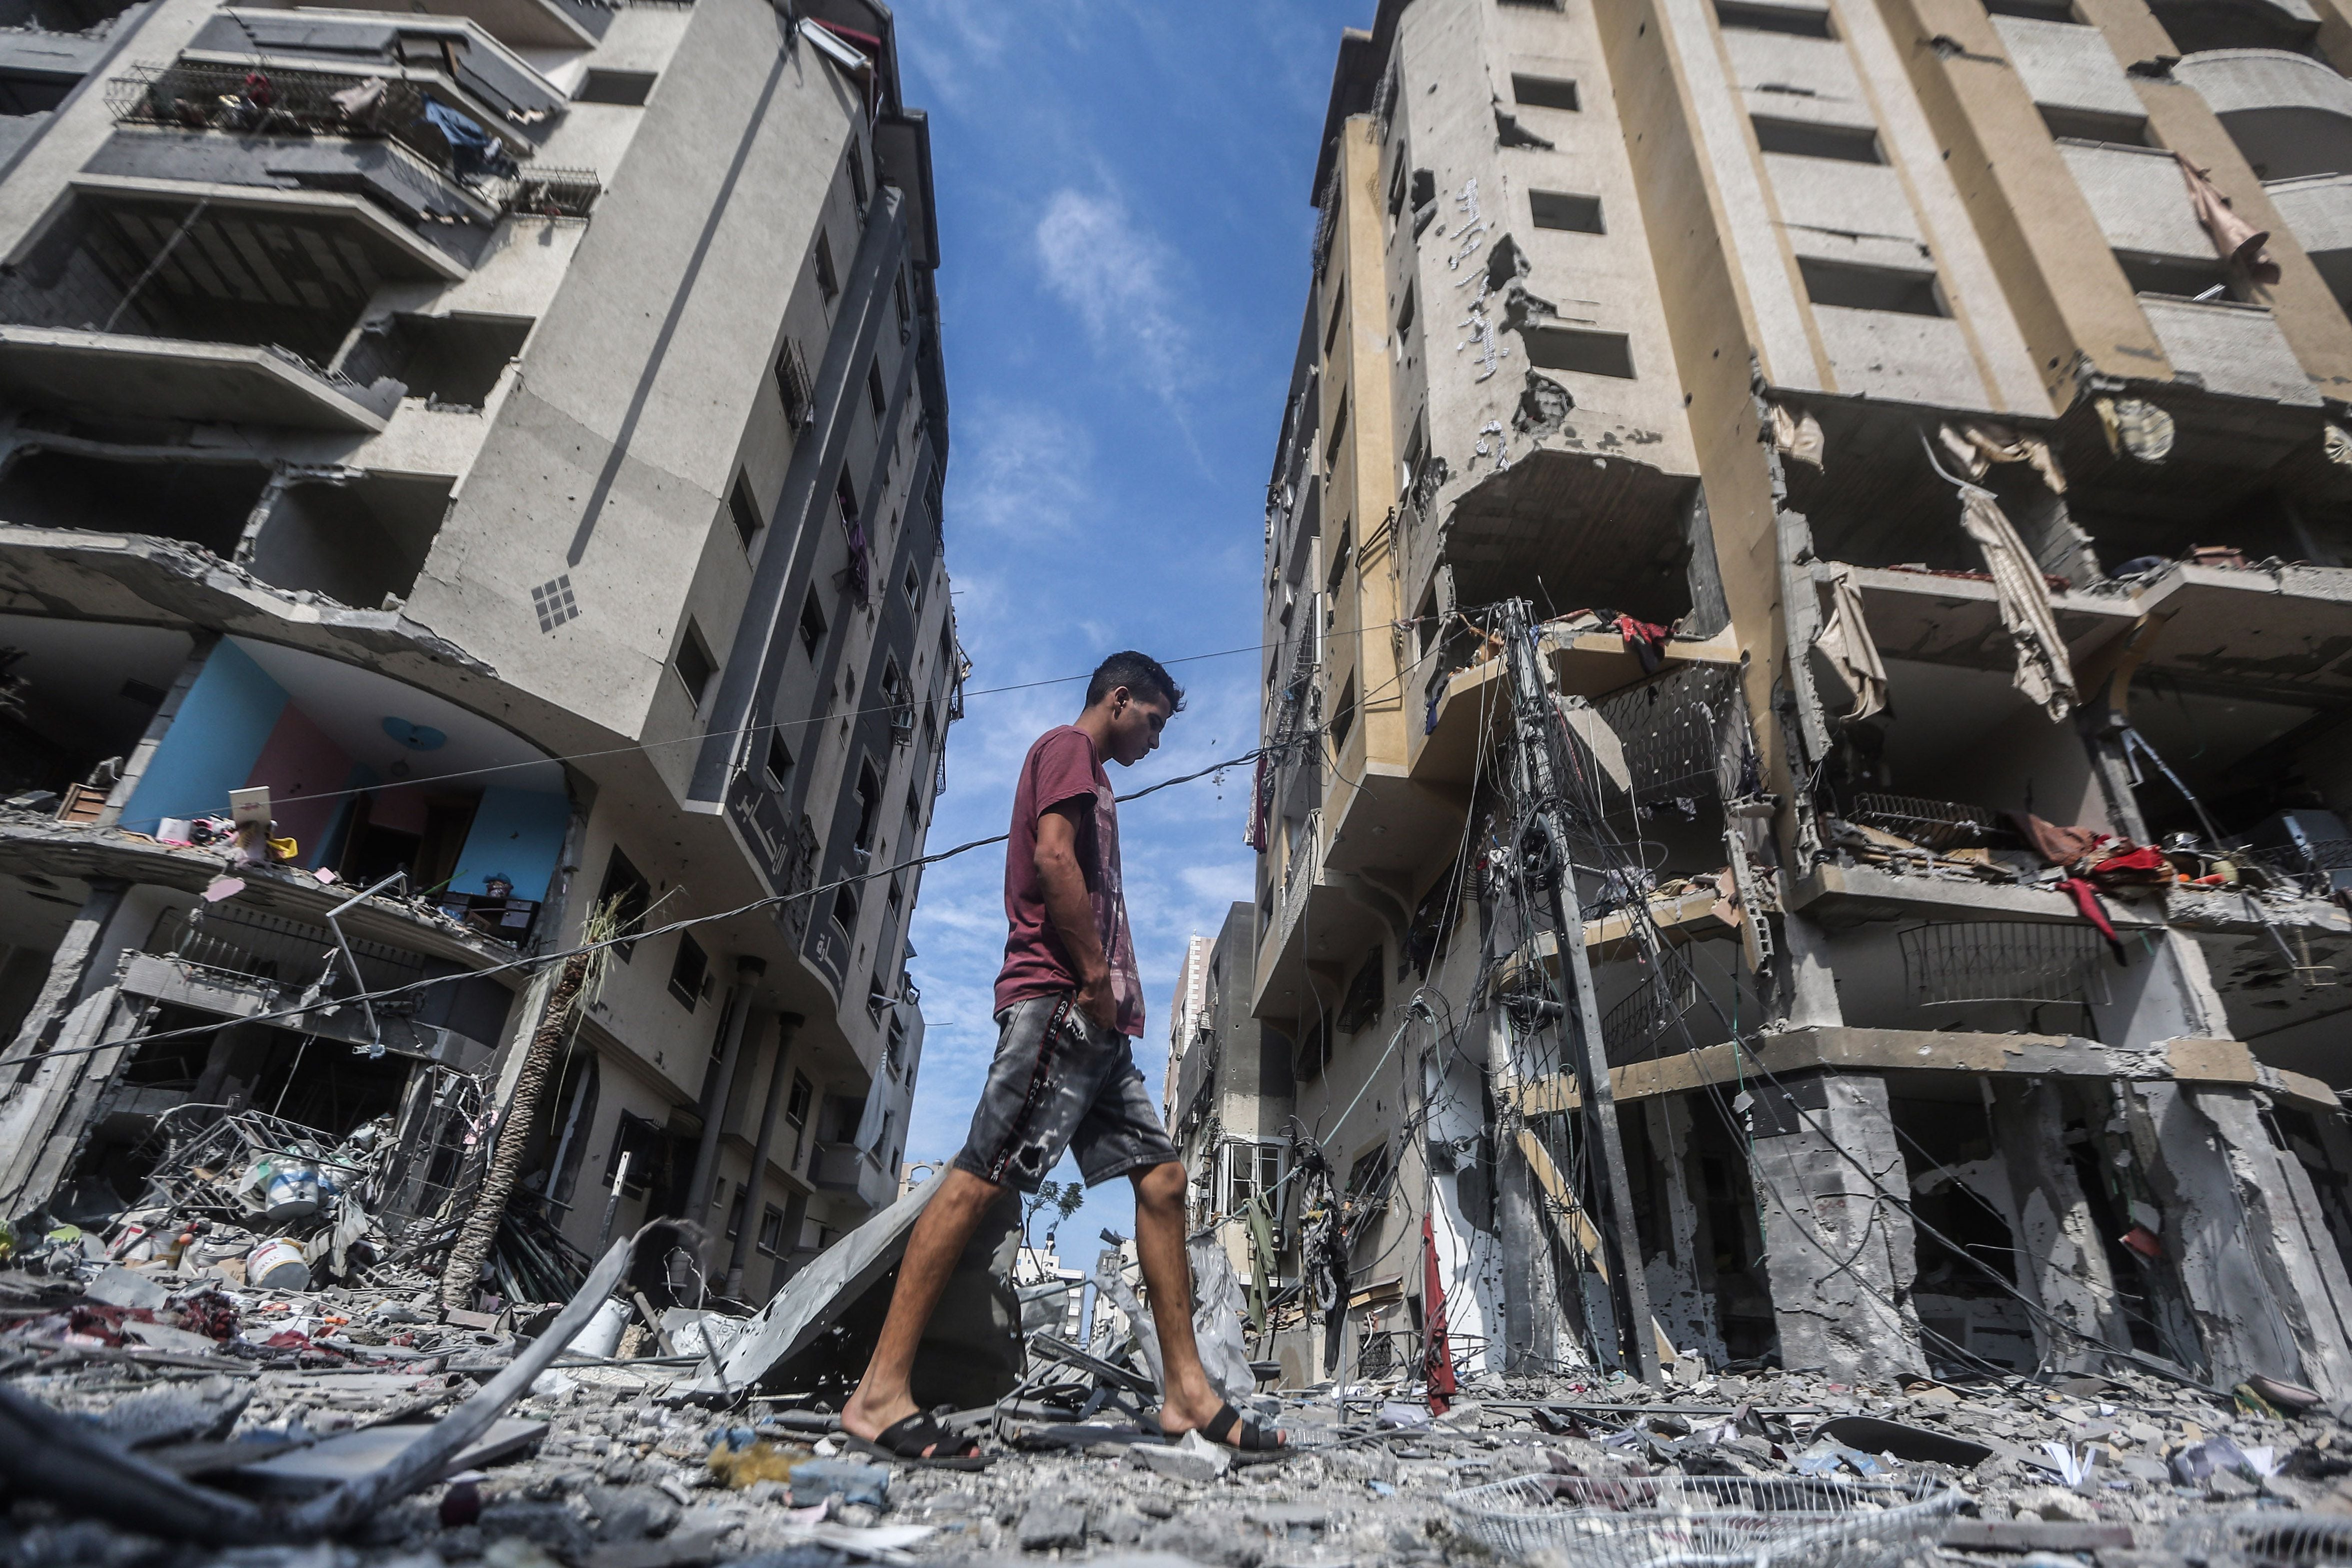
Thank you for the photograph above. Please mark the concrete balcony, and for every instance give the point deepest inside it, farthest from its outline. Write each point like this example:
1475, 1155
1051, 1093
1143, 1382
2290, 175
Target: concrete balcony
2138, 198
2070, 67
518, 23
149, 298
842, 1167
2290, 115
125, 376
2318, 212
2228, 348
468, 63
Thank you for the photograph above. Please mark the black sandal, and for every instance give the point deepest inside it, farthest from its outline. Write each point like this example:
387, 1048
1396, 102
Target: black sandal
1227, 1427
904, 1442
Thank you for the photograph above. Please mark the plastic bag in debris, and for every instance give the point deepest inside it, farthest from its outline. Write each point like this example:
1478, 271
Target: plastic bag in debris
2193, 1466
1216, 1318
1217, 1321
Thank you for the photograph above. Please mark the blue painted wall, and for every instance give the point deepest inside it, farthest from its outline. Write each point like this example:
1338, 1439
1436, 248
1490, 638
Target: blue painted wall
516, 832
212, 745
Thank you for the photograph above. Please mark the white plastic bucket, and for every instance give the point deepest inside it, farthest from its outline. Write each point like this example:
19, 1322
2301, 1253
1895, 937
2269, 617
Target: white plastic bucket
602, 1335
290, 1193
277, 1265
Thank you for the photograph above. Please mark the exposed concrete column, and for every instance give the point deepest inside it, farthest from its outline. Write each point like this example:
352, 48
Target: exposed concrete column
46, 1117
69, 969
1838, 1248
2061, 1262
2265, 1285
756, 1187
1530, 1293
718, 1091
1679, 1298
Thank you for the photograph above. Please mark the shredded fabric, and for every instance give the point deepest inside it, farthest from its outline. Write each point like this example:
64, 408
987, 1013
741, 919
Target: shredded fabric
1977, 446
1647, 638
1844, 640
1797, 435
2043, 671
2235, 240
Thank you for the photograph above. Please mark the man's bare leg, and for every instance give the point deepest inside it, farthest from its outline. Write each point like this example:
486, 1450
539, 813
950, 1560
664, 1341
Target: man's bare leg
883, 1398
1192, 1400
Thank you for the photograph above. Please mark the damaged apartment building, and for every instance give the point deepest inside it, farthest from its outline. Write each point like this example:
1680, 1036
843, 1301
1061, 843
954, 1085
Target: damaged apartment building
1845, 506
464, 467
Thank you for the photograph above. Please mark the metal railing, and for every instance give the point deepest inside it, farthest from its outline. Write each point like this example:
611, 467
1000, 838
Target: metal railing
202, 95
1967, 961
293, 954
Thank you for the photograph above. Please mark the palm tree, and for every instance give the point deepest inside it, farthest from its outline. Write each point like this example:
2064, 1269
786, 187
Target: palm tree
582, 973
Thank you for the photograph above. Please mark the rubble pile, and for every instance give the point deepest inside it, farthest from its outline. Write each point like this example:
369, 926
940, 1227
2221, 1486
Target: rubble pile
170, 1382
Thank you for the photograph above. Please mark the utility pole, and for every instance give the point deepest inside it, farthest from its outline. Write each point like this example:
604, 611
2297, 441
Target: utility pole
1625, 1329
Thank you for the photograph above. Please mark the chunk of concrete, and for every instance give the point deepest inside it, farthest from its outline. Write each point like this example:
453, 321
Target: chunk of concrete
119, 1287
1194, 1459
1047, 1525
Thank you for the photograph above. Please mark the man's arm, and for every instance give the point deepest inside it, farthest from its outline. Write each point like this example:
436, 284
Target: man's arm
1071, 911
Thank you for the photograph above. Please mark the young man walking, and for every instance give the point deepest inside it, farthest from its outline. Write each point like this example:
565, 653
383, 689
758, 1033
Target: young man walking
1069, 1005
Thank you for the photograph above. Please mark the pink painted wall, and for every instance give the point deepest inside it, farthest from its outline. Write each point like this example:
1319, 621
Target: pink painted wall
297, 760
400, 807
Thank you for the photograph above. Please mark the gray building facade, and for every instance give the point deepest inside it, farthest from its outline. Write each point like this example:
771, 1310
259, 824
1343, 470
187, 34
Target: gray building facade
512, 433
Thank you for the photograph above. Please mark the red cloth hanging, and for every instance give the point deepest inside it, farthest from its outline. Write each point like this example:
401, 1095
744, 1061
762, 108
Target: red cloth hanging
1646, 638
1436, 1358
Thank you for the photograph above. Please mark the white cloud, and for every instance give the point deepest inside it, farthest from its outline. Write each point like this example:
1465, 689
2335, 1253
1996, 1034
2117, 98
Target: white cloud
1099, 264
1028, 470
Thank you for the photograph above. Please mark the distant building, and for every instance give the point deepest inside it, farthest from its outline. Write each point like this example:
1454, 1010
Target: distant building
1185, 1010
1063, 1314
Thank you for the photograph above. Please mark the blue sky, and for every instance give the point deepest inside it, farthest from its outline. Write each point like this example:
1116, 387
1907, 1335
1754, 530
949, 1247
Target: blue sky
1124, 225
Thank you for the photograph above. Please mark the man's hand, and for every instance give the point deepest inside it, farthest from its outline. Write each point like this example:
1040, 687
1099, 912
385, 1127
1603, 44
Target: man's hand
1096, 1001
1063, 885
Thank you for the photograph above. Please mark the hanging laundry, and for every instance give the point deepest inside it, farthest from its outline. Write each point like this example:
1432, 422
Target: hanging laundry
473, 151
2044, 673
1645, 639
2235, 240
1978, 446
2086, 899
1844, 640
1797, 434
1261, 804
1436, 1359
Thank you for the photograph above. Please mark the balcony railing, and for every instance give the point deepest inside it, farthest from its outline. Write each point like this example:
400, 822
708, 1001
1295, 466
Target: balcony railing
199, 95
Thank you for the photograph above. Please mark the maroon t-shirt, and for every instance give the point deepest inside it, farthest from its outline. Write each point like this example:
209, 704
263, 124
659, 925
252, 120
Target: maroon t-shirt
1062, 766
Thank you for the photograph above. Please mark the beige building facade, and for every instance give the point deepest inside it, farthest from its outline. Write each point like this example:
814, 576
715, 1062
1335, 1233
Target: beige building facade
1918, 437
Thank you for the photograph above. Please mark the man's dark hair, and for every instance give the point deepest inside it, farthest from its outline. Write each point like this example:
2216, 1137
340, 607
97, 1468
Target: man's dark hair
1138, 672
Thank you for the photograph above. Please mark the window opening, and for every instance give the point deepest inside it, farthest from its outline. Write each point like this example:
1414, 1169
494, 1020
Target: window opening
628, 89
687, 971
744, 510
812, 622
1853, 288
630, 894
1561, 210
1591, 353
693, 664
1544, 92
827, 284
1801, 139
1803, 24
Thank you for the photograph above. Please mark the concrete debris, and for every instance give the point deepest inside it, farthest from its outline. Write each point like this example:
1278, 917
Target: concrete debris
371, 1438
